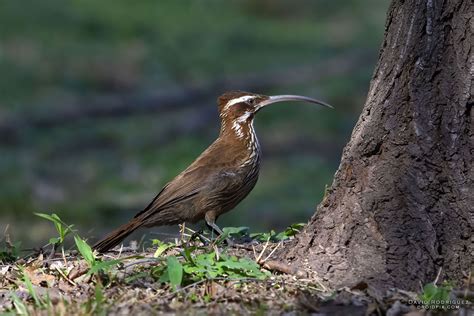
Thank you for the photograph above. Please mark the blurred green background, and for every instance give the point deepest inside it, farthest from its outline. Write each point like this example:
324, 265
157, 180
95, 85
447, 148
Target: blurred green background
103, 102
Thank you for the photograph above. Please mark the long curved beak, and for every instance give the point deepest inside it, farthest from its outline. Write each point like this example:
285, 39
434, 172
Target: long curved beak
289, 97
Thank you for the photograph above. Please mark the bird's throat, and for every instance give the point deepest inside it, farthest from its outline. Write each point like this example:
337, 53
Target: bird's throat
242, 135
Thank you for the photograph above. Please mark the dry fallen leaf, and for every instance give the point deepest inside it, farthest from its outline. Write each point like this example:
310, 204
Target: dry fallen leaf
38, 277
4, 270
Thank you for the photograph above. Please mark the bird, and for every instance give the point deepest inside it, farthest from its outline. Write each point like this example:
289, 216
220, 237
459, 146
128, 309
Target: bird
221, 177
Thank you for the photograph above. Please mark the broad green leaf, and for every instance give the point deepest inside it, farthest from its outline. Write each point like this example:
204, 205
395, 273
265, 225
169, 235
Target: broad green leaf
280, 236
54, 240
85, 250
298, 226
263, 236
212, 274
46, 216
175, 271
165, 278
236, 231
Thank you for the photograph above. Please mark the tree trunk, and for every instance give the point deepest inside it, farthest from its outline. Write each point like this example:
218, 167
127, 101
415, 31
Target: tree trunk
401, 206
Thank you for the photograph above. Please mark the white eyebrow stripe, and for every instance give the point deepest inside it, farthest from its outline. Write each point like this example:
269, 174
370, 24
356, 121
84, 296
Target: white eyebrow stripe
239, 100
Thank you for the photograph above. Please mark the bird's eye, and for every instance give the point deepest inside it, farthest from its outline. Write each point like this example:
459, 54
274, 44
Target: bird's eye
252, 101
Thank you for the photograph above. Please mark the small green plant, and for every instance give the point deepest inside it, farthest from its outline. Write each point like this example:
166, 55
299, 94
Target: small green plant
206, 266
95, 265
174, 271
243, 232
436, 296
162, 247
62, 228
84, 249
236, 232
232, 233
290, 231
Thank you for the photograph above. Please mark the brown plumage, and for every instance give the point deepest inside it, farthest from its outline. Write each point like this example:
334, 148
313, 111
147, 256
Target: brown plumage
221, 177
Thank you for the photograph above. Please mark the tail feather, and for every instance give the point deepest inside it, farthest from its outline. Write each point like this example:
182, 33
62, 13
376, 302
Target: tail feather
116, 236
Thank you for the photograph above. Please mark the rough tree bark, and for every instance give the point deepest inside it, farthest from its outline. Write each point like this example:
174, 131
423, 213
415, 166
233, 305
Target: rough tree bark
401, 206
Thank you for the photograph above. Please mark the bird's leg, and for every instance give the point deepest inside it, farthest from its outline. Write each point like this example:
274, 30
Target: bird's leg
214, 228
210, 219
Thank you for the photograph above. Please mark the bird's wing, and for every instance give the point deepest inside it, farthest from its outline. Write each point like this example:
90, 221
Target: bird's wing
185, 186
206, 174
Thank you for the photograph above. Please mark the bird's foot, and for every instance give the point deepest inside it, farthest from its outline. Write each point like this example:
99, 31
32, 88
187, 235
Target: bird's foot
199, 235
230, 242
